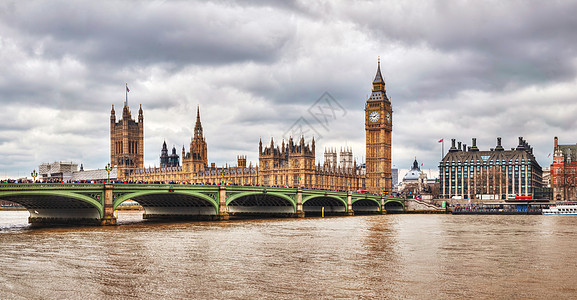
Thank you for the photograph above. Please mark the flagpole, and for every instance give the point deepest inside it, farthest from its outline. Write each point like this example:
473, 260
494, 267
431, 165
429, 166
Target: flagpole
442, 148
126, 91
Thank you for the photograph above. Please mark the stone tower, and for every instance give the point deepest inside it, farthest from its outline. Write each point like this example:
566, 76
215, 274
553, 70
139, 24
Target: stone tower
378, 129
346, 158
126, 141
331, 158
164, 156
197, 159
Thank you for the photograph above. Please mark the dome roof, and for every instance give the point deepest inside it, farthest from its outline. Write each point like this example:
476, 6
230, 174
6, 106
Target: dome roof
413, 174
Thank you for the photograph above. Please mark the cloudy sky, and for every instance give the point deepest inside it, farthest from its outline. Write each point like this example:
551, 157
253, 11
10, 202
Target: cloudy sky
260, 69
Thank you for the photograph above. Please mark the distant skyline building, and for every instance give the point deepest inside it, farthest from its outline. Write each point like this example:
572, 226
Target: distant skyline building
68, 172
497, 174
414, 181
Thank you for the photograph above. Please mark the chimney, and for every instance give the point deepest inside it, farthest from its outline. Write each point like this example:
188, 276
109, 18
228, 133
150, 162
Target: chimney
556, 143
499, 147
474, 147
453, 148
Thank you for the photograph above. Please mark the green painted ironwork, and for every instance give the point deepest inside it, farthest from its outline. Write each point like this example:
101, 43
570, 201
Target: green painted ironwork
93, 194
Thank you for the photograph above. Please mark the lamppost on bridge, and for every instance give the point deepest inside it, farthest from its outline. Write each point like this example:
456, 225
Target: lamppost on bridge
34, 174
299, 181
108, 168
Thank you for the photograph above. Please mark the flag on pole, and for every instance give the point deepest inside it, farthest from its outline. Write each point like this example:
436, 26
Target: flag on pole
127, 89
549, 155
441, 140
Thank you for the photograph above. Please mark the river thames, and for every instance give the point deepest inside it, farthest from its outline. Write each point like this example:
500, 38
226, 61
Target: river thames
360, 257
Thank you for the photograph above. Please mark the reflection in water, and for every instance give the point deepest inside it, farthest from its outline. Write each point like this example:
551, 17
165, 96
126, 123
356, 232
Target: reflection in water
393, 256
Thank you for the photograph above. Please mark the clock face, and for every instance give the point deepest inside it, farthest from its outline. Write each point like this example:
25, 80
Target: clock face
374, 116
388, 117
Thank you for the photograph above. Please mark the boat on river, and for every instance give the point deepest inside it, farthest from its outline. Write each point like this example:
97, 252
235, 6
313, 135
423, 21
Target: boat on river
501, 208
561, 209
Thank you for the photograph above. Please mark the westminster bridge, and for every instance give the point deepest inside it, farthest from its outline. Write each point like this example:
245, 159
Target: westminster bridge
58, 203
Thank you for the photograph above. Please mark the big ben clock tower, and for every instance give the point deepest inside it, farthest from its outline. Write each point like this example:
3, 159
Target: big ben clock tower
378, 129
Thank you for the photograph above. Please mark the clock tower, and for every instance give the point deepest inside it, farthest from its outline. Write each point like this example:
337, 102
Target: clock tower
378, 129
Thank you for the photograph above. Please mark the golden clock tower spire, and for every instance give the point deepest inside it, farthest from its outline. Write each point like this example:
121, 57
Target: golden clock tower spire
378, 129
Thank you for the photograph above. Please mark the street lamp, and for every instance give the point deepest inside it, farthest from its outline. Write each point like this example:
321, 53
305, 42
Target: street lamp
34, 174
108, 168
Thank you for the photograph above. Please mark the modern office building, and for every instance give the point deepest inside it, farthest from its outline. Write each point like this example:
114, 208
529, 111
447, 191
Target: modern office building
496, 174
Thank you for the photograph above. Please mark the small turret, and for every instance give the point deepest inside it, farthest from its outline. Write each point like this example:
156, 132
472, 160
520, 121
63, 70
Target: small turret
313, 145
112, 115
260, 145
140, 115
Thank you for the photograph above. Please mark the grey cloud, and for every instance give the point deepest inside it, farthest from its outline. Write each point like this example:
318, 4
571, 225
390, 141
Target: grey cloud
126, 33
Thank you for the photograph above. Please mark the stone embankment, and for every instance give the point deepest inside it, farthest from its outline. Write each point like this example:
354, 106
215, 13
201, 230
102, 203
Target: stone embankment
419, 206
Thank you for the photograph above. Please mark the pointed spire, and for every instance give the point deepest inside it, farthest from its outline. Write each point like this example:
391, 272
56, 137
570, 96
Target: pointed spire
378, 76
379, 91
198, 125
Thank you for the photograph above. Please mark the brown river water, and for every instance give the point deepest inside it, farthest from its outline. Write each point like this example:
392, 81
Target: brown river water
360, 257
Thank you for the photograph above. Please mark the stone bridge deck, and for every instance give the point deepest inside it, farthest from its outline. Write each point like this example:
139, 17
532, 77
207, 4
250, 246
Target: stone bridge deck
95, 203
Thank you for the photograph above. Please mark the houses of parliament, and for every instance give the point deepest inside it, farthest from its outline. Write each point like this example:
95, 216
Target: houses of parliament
291, 163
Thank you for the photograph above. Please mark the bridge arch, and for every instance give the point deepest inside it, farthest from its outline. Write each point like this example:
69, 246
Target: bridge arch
255, 202
56, 204
366, 205
392, 206
177, 202
328, 203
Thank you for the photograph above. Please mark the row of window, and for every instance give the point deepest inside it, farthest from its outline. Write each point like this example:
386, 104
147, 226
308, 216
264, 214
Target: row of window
448, 163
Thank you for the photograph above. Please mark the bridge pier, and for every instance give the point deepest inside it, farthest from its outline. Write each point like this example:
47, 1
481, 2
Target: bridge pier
222, 208
108, 218
350, 211
300, 213
383, 210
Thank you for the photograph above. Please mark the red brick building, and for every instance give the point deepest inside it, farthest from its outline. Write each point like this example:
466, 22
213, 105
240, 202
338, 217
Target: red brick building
564, 172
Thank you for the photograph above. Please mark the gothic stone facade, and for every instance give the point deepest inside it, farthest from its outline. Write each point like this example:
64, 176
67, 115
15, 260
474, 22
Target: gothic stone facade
126, 142
378, 129
492, 175
292, 164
